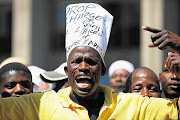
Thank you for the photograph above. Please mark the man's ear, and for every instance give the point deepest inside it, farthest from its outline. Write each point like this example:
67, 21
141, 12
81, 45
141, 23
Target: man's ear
103, 71
66, 70
159, 77
159, 74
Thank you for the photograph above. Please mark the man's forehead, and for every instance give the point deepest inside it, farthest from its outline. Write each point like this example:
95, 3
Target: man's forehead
10, 75
143, 73
84, 50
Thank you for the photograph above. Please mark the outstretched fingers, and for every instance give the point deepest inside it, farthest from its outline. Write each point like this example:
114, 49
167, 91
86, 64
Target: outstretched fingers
150, 29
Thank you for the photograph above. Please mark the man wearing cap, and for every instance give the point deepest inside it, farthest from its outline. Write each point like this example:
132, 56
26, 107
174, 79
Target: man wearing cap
58, 76
86, 99
118, 73
38, 84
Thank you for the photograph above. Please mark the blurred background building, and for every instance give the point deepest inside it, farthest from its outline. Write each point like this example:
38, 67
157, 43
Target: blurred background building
35, 30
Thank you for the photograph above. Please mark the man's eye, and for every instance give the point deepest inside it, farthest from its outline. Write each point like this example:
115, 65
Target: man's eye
91, 62
10, 85
77, 61
113, 76
154, 90
124, 75
136, 90
165, 70
26, 84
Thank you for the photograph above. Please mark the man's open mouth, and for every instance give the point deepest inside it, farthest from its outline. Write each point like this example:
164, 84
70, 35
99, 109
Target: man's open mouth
174, 85
83, 82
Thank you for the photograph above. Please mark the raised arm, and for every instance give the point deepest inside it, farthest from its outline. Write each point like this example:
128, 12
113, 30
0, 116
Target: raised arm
163, 39
25, 107
173, 63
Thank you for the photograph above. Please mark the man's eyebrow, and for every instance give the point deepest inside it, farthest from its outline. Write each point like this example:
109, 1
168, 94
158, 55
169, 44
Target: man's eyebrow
137, 84
165, 70
9, 83
150, 85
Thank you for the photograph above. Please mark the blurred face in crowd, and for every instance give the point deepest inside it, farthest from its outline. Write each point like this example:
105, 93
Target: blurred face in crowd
61, 84
170, 83
15, 83
84, 70
118, 78
145, 82
66, 84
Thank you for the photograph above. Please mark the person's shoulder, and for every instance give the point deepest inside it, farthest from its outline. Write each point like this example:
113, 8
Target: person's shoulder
122, 94
31, 96
140, 99
67, 89
49, 93
130, 97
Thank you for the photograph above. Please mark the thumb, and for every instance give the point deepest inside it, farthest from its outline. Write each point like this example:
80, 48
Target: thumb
151, 45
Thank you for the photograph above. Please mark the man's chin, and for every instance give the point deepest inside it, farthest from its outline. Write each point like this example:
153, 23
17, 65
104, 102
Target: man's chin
173, 93
84, 94
88, 95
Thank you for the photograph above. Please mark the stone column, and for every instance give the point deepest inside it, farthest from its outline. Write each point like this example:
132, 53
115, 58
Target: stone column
151, 15
21, 28
31, 30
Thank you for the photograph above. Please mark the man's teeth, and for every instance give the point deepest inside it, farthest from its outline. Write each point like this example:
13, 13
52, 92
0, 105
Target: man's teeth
83, 77
83, 81
83, 84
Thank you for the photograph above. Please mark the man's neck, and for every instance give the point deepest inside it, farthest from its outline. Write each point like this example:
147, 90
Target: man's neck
88, 102
92, 105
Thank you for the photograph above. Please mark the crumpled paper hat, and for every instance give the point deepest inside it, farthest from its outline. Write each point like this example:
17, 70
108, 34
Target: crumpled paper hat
87, 24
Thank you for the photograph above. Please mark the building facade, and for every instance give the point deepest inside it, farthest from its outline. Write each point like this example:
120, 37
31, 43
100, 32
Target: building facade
35, 30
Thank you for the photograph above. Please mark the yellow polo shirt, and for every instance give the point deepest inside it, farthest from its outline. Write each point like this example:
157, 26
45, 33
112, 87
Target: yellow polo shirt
59, 106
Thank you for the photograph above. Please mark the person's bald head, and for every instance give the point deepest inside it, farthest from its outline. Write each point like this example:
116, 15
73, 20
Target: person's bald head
143, 81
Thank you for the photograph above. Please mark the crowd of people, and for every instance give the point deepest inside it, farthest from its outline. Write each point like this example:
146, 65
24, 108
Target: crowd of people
72, 91
18, 78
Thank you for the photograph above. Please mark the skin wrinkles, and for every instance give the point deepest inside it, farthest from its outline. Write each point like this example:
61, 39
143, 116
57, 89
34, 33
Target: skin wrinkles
84, 66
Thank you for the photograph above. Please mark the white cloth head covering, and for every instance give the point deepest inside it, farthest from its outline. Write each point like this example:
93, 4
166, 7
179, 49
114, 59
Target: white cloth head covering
120, 64
35, 71
56, 75
87, 24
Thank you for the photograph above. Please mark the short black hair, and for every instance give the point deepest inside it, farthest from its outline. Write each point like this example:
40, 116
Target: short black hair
128, 84
14, 66
129, 80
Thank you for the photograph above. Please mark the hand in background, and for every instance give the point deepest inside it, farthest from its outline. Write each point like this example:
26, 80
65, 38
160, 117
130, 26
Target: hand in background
173, 63
163, 39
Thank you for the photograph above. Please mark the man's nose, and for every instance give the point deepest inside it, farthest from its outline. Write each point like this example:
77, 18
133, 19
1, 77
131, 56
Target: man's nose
83, 66
118, 78
18, 88
145, 92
